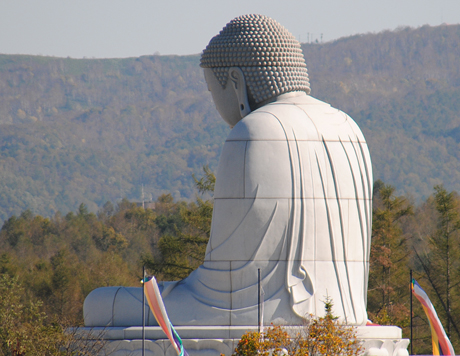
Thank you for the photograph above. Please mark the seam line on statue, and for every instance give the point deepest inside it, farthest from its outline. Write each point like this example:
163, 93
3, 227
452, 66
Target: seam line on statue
113, 305
284, 140
304, 198
285, 260
244, 168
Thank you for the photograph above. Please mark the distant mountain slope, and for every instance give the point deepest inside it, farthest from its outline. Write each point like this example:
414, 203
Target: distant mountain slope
403, 89
89, 131
92, 130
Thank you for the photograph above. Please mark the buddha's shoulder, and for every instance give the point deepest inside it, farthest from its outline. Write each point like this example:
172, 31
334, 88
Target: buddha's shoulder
296, 118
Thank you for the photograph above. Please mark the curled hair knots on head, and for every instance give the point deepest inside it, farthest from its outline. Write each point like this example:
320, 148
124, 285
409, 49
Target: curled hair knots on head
268, 54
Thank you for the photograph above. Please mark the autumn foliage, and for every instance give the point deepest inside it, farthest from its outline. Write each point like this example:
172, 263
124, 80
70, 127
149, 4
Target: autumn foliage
319, 336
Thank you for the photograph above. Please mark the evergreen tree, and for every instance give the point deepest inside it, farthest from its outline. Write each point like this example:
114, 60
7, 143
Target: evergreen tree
442, 262
389, 258
186, 231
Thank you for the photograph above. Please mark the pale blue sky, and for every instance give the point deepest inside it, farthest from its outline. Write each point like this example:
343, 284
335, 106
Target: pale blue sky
122, 28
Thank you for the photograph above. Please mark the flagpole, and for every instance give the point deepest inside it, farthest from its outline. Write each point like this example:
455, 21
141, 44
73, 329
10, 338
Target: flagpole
143, 310
410, 285
258, 299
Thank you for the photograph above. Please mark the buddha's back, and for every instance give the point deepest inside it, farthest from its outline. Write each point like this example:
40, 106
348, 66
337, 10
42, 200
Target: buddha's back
293, 198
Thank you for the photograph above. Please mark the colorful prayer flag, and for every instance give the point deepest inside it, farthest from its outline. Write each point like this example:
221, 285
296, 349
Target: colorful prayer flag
441, 343
152, 292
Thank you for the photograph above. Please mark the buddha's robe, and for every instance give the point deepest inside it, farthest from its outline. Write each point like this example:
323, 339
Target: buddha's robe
293, 199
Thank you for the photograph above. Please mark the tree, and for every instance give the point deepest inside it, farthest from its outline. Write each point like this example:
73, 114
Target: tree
206, 183
442, 262
445, 245
389, 258
186, 230
26, 330
320, 336
66, 298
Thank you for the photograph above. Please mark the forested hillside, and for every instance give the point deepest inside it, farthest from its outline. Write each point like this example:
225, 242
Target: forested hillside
55, 262
87, 131
403, 89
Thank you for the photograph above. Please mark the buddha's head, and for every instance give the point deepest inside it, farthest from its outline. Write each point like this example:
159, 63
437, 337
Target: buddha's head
249, 63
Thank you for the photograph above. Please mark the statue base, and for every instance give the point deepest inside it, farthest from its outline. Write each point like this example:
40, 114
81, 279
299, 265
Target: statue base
217, 340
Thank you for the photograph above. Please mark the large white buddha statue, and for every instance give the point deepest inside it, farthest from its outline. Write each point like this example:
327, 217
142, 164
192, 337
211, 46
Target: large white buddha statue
292, 197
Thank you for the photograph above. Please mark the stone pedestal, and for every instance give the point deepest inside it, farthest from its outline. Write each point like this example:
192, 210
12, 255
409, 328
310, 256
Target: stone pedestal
213, 341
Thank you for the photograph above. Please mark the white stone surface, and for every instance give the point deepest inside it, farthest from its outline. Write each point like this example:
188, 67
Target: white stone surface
213, 341
293, 198
300, 209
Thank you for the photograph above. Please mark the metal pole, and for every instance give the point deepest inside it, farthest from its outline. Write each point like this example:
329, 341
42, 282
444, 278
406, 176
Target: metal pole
143, 311
410, 285
258, 299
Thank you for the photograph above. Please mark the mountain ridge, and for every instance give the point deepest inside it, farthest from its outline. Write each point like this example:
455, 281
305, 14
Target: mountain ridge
91, 130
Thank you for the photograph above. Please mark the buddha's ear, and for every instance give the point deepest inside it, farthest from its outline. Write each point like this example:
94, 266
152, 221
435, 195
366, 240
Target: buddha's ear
236, 77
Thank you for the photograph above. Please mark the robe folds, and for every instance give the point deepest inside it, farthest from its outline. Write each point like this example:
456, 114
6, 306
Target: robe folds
293, 198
